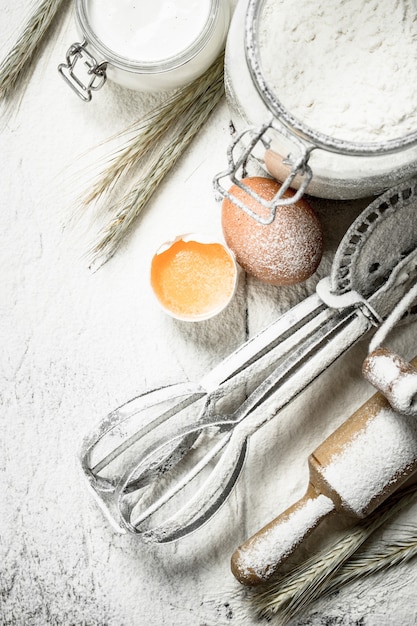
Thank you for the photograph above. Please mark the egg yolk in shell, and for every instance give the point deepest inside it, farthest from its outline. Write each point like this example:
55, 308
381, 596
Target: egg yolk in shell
193, 280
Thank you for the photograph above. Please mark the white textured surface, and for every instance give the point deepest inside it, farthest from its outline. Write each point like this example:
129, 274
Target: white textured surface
76, 344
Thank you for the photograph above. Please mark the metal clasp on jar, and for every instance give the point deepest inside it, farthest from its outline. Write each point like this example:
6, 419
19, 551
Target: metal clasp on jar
82, 71
243, 148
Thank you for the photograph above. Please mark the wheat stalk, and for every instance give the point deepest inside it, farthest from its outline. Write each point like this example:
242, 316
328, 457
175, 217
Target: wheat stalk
159, 139
293, 592
18, 61
165, 135
386, 554
148, 131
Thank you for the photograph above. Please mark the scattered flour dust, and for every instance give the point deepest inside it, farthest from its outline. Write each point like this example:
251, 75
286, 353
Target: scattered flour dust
373, 459
272, 546
346, 69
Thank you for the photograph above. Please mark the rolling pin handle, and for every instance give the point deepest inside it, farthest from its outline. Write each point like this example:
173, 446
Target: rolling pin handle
255, 561
395, 378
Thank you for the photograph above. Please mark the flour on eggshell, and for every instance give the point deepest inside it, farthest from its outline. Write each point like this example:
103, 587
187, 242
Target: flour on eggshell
285, 252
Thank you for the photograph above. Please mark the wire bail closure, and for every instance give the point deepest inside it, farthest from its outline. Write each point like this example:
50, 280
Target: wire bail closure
238, 155
82, 71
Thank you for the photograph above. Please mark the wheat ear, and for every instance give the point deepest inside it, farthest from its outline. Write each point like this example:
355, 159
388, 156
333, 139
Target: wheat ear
387, 554
179, 132
147, 132
17, 62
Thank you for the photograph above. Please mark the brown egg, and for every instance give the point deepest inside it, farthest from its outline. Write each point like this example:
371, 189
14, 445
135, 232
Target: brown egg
285, 252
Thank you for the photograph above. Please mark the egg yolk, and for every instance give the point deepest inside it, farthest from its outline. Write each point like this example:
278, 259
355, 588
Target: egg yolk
192, 279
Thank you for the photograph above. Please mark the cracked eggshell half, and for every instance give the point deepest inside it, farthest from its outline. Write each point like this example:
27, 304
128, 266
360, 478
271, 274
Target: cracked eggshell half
193, 277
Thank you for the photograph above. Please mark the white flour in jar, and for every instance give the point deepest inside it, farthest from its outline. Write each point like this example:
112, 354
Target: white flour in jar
347, 69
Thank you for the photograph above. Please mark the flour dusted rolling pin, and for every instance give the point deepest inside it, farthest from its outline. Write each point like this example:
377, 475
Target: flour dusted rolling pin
394, 377
357, 467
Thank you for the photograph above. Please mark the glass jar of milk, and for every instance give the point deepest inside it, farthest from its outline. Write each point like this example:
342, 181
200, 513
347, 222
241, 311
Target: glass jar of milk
146, 45
321, 96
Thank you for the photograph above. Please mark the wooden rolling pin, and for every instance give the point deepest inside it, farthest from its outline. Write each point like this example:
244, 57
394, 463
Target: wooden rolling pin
353, 471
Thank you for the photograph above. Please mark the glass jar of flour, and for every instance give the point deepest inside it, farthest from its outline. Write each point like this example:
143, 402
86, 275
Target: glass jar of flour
145, 45
322, 95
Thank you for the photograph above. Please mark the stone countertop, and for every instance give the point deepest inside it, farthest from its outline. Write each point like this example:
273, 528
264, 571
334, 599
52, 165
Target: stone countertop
76, 344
